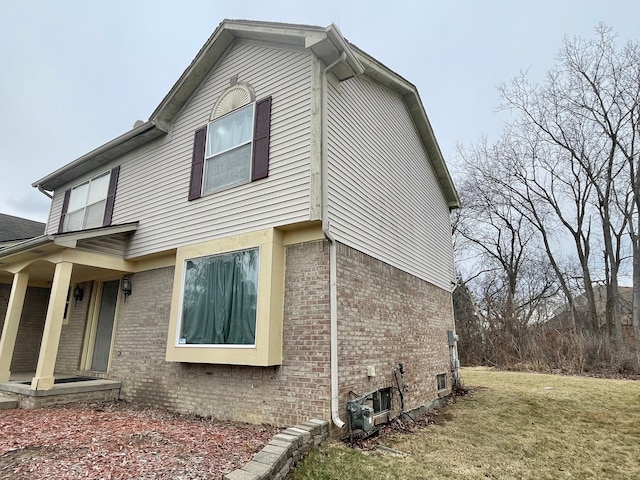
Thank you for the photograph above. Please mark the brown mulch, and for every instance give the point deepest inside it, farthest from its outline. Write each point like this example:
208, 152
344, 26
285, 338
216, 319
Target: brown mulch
117, 440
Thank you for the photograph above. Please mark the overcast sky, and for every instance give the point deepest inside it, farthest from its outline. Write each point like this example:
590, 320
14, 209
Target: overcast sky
74, 74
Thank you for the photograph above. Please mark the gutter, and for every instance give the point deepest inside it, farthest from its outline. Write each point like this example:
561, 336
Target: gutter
333, 274
122, 144
25, 245
43, 191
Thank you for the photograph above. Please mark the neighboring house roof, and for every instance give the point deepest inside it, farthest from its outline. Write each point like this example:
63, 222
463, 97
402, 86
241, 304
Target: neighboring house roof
16, 228
326, 42
625, 300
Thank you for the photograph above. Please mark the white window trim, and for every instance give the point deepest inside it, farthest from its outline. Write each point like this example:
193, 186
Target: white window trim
248, 142
181, 311
84, 208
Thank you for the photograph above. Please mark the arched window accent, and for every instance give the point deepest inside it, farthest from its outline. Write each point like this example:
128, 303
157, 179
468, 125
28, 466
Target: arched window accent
232, 98
233, 148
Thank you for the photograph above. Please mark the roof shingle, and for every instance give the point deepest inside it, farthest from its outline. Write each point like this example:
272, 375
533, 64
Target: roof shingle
16, 228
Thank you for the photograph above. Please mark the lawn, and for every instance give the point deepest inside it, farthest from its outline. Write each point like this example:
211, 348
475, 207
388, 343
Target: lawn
512, 426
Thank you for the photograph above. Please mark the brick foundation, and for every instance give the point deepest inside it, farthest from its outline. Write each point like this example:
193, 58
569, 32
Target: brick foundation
286, 394
30, 402
387, 316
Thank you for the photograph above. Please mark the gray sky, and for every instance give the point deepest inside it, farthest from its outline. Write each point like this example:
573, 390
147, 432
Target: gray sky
74, 74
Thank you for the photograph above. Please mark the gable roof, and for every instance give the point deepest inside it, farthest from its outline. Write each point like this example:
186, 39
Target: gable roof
17, 228
327, 43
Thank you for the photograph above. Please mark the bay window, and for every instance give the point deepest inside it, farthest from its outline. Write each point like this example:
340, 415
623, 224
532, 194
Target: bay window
227, 301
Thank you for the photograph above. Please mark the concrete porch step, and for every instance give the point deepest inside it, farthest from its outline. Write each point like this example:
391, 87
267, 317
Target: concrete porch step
7, 403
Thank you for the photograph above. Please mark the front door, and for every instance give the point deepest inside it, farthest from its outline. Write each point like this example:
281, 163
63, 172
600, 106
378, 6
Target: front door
104, 326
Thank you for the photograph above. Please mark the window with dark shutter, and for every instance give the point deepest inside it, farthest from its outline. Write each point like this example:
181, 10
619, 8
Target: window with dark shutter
197, 163
261, 136
233, 149
111, 196
65, 207
89, 204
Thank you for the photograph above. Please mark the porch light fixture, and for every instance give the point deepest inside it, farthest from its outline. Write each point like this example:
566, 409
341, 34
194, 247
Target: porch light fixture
126, 287
77, 294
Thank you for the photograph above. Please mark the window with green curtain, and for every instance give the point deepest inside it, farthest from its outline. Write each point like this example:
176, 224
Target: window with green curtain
219, 299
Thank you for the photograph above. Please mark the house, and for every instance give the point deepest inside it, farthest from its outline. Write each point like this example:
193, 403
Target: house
562, 319
273, 239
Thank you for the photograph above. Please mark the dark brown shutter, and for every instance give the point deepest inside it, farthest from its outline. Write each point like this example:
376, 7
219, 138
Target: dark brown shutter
111, 196
261, 133
197, 163
65, 207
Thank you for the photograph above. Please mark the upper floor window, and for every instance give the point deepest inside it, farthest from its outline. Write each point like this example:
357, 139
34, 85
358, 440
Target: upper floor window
86, 204
228, 150
233, 148
89, 204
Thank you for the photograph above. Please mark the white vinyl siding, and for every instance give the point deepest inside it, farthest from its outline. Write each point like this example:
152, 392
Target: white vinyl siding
384, 197
55, 212
154, 181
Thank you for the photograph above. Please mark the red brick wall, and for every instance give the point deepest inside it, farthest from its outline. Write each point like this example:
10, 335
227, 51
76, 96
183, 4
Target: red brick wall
387, 316
25, 354
286, 394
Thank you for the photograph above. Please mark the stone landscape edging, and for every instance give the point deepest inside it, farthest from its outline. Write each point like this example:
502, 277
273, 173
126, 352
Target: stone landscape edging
282, 452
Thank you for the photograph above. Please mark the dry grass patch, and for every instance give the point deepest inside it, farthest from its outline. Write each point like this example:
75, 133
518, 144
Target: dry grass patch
513, 426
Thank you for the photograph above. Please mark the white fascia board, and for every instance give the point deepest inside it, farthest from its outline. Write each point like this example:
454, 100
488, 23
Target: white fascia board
126, 142
70, 239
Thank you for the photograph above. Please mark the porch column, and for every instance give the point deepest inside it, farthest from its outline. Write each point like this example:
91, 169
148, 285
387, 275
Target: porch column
52, 327
11, 323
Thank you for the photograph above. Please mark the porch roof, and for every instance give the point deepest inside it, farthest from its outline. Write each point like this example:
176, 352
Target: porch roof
107, 242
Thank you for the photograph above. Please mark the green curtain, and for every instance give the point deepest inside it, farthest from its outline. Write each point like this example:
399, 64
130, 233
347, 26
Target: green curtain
220, 295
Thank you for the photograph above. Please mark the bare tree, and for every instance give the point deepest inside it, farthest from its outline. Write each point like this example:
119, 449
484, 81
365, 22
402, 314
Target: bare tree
586, 117
509, 274
554, 197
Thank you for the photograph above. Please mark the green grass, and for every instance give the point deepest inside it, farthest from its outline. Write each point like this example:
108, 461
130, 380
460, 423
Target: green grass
513, 426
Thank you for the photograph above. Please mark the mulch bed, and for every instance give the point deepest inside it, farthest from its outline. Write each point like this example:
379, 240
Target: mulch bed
117, 440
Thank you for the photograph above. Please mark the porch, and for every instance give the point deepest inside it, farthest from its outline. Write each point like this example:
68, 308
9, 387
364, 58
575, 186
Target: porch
53, 330
66, 389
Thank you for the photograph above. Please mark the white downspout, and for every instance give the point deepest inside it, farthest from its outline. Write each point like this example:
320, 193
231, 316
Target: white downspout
333, 294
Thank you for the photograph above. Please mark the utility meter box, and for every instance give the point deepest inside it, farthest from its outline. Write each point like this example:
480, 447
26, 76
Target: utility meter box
360, 416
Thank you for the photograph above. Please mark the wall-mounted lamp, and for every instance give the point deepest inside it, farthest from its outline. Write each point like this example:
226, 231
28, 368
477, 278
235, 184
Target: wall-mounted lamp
126, 287
77, 294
